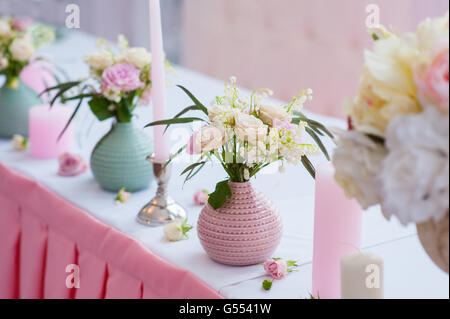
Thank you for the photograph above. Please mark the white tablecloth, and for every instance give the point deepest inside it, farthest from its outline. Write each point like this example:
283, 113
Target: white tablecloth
409, 273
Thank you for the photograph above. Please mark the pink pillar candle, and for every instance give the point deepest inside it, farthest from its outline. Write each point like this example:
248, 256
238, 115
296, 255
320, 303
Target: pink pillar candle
158, 81
337, 232
46, 124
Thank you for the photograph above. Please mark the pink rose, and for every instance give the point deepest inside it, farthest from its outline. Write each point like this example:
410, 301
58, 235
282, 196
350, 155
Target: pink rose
146, 97
122, 77
22, 24
276, 268
71, 165
433, 83
201, 197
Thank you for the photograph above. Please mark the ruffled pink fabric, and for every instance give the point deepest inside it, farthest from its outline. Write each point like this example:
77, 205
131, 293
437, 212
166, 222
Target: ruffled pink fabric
41, 233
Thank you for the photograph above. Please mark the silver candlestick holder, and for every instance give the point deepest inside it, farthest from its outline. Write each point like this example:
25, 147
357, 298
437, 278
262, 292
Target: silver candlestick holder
162, 209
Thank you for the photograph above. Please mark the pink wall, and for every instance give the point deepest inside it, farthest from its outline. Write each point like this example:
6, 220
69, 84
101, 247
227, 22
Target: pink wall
290, 45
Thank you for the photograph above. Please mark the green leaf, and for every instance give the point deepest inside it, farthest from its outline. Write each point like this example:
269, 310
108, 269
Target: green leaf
77, 97
185, 228
191, 167
309, 166
61, 86
184, 111
175, 121
70, 119
267, 284
311, 123
194, 99
175, 156
99, 106
318, 142
187, 109
124, 114
291, 263
220, 195
194, 172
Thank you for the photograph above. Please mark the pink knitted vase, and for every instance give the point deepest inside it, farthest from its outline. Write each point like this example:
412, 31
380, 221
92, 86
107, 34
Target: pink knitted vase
246, 230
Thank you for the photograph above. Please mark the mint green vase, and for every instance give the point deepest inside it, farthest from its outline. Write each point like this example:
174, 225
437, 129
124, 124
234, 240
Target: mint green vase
15, 105
119, 160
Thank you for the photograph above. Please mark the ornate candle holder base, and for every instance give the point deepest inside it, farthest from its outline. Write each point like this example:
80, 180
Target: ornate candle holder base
161, 209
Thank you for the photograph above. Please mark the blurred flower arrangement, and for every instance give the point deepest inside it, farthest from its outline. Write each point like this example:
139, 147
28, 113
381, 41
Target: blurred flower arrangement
116, 85
19, 39
396, 151
247, 134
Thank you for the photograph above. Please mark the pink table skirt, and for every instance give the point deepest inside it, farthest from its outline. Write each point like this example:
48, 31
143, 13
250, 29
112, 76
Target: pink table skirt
41, 234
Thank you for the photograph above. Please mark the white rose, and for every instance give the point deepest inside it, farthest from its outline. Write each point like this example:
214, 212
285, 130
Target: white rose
22, 48
177, 230
139, 57
173, 231
100, 60
249, 128
270, 112
20, 143
208, 138
358, 160
5, 29
415, 174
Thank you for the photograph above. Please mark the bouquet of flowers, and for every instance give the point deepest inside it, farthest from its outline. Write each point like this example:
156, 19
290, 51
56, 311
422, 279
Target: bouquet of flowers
116, 85
247, 134
19, 39
396, 150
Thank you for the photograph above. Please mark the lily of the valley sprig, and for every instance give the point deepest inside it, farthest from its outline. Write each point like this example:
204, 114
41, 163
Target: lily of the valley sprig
277, 269
246, 134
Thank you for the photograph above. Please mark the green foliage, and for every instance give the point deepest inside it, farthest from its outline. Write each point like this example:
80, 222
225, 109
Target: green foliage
100, 107
185, 228
220, 195
309, 166
267, 284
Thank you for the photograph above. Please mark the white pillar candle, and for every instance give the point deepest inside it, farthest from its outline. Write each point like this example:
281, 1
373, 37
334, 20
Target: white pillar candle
362, 276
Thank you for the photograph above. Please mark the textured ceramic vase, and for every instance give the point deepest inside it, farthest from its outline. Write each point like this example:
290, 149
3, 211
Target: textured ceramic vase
119, 159
246, 230
15, 105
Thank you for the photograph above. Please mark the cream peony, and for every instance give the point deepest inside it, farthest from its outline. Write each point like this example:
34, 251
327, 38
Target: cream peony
207, 139
415, 174
139, 57
357, 161
431, 31
249, 128
100, 60
22, 48
377, 103
270, 112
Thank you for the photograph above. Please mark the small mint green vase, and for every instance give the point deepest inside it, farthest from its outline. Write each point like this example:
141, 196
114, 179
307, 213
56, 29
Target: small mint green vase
119, 159
15, 105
